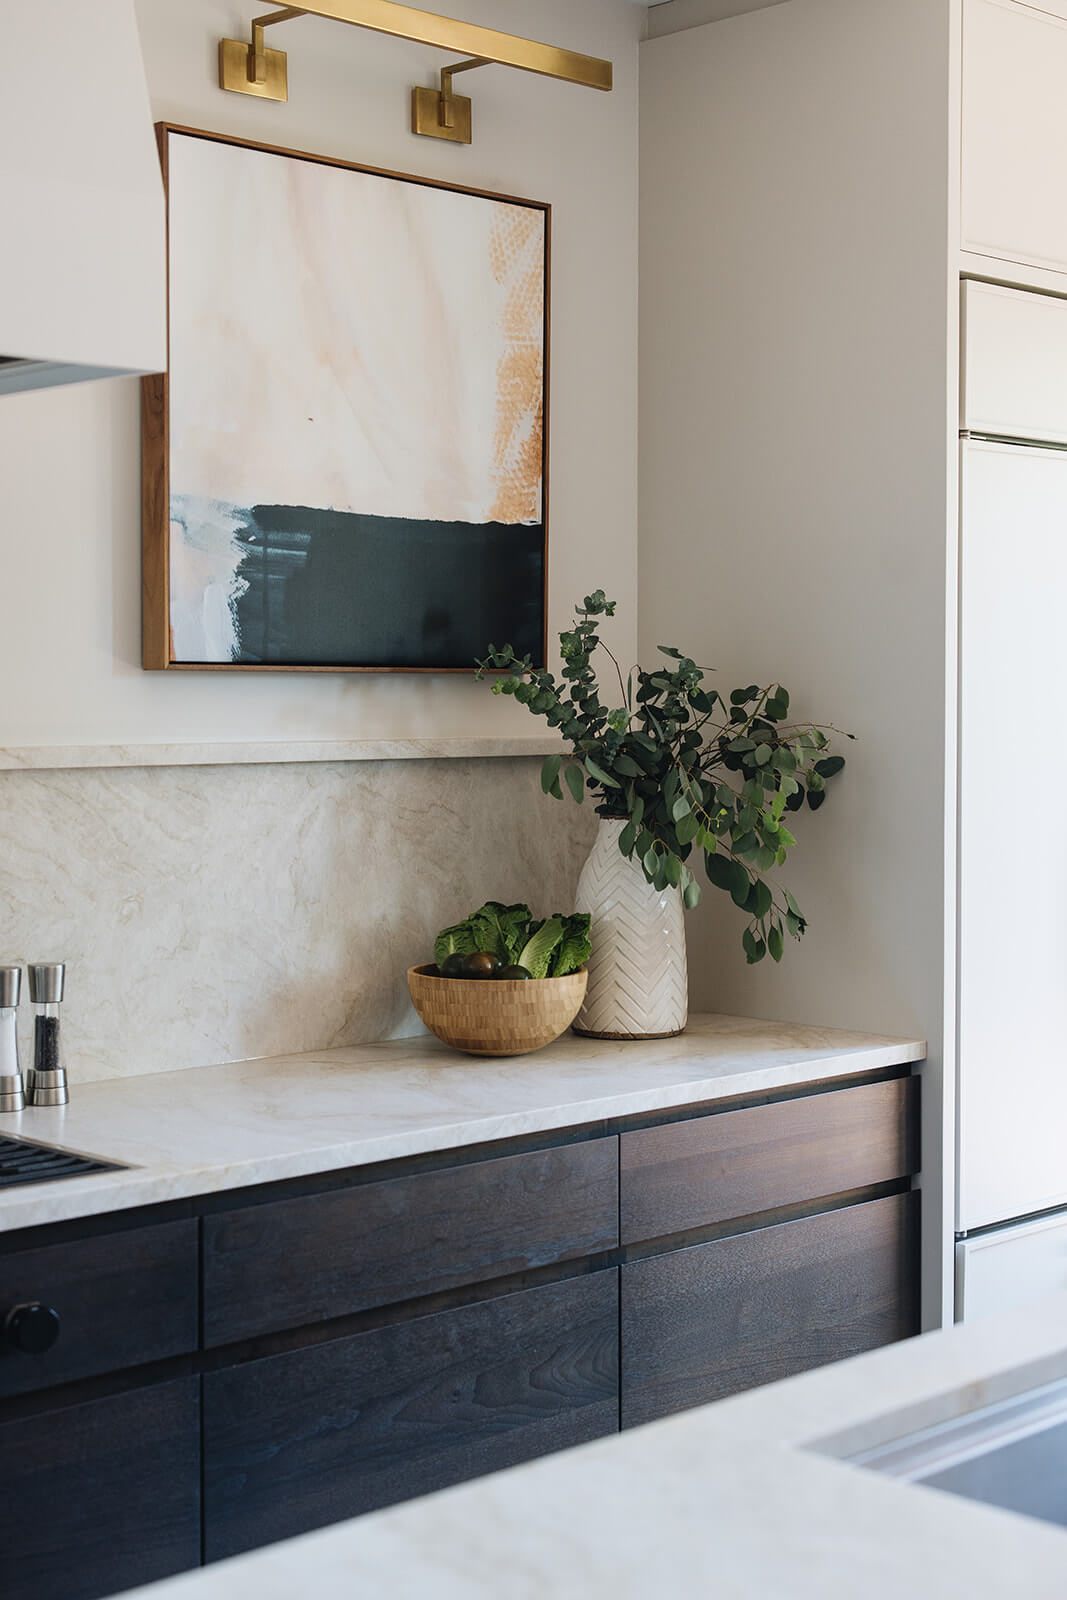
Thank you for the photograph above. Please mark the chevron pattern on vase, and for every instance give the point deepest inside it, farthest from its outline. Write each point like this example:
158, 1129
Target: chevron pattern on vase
638, 985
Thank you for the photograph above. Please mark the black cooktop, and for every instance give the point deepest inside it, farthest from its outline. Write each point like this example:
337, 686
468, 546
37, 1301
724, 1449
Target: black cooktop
23, 1162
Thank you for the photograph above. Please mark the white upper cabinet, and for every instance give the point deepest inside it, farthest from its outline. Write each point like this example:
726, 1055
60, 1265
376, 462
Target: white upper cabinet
83, 262
1014, 170
1014, 364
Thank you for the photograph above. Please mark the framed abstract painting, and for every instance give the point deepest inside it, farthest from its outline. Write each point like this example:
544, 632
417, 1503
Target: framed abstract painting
344, 467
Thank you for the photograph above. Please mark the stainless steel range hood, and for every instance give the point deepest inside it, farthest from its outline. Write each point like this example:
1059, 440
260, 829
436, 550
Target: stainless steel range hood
82, 232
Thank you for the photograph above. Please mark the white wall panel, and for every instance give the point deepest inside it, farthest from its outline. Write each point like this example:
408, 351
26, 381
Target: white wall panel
1014, 363
1014, 132
1009, 1268
1013, 851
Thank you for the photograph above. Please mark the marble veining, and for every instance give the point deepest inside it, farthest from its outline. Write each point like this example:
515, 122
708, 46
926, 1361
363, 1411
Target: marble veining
733, 1500
215, 913
209, 1129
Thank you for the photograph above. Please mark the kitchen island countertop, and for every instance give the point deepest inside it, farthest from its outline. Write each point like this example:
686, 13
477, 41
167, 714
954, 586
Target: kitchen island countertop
209, 1129
743, 1500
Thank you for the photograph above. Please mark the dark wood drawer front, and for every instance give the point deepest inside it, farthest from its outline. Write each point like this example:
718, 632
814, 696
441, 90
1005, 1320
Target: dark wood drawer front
708, 1321
711, 1169
122, 1299
294, 1262
101, 1497
313, 1436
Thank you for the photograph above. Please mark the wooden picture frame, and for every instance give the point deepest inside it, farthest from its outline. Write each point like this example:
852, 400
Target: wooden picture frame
400, 439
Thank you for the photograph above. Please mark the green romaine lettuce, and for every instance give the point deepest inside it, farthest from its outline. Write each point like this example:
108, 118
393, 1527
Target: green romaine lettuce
546, 949
501, 929
537, 953
574, 948
451, 940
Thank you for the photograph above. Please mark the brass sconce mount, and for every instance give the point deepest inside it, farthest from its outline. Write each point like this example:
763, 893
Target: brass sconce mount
252, 68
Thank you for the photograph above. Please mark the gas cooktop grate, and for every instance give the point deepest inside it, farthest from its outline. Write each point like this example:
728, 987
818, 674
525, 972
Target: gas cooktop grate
22, 1162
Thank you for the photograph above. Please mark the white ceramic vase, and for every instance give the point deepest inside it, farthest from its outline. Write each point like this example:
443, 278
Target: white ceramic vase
638, 985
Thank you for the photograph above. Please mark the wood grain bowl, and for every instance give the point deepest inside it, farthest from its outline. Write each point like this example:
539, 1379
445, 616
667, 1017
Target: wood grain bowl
496, 1016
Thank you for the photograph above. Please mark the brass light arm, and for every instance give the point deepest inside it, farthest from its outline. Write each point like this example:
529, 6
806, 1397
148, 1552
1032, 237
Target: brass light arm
257, 53
448, 99
253, 69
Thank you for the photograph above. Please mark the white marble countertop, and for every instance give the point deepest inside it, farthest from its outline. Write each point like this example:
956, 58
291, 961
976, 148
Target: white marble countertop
737, 1500
213, 1128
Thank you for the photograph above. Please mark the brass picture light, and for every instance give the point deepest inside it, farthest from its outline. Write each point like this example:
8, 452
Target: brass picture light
251, 68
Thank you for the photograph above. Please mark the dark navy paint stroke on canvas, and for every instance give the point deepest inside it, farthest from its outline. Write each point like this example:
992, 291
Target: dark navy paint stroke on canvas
336, 588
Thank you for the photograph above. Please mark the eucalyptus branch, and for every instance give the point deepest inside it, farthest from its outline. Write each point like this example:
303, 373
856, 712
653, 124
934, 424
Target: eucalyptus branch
683, 782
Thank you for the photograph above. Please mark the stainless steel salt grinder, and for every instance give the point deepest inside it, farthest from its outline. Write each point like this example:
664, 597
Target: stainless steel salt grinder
49, 1074
12, 1089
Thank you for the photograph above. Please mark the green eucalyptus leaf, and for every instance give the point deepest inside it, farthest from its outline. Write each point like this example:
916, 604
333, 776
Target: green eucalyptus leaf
550, 772
575, 781
687, 828
759, 900
627, 766
599, 774
740, 886
720, 871
775, 942
691, 894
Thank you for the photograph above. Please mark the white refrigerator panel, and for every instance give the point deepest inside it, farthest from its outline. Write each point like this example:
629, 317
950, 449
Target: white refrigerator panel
1013, 838
1014, 361
1011, 1267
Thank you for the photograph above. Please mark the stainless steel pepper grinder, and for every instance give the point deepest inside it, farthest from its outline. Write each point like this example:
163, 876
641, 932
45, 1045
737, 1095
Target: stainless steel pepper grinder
49, 1074
12, 1089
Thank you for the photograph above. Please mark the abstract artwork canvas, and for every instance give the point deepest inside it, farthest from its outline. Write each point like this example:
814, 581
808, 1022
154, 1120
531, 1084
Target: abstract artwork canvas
344, 467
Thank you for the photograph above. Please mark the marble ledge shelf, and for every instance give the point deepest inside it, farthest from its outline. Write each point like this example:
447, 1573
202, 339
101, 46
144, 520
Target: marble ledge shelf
264, 752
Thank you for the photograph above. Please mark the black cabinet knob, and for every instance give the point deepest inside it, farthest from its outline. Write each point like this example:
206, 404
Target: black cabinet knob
32, 1328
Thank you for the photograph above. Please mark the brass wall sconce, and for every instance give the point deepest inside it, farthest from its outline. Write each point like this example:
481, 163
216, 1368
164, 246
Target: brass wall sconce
252, 68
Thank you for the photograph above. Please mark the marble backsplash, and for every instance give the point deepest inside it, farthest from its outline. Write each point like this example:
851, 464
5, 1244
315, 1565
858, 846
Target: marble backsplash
214, 914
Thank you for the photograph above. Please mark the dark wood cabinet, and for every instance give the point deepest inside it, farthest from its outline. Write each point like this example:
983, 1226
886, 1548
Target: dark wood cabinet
685, 1175
120, 1299
319, 1348
708, 1321
321, 1256
319, 1434
101, 1496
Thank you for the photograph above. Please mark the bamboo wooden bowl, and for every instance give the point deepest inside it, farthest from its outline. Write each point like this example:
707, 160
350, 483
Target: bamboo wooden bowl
496, 1016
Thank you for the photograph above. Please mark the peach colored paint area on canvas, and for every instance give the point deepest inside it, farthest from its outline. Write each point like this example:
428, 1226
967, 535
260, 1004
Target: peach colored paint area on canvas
517, 256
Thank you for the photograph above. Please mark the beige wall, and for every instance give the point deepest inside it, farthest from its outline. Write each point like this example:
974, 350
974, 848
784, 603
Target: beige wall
70, 458
797, 477
222, 912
